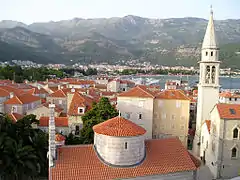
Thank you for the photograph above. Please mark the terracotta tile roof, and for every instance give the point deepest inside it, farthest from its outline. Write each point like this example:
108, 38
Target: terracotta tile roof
4, 93
59, 93
82, 82
14, 90
53, 88
118, 126
208, 123
163, 156
57, 108
228, 111
100, 86
228, 94
79, 100
138, 91
59, 137
23, 99
15, 116
59, 121
108, 93
172, 94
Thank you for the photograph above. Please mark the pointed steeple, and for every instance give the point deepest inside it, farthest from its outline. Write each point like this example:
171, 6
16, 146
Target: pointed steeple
210, 39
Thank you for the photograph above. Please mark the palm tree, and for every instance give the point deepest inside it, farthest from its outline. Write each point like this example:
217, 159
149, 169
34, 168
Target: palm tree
20, 162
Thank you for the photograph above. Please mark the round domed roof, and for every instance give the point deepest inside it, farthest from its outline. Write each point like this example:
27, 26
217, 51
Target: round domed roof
118, 126
59, 137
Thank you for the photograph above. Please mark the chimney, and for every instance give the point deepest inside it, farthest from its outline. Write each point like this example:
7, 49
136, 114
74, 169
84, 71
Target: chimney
11, 94
51, 140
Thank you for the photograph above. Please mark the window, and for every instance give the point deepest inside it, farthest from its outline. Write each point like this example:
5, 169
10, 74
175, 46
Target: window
173, 117
80, 110
60, 101
202, 139
140, 116
232, 111
178, 104
213, 74
123, 89
235, 99
235, 133
173, 126
211, 53
230, 99
77, 130
126, 145
164, 116
234, 152
182, 127
206, 53
182, 118
14, 109
207, 144
127, 115
160, 103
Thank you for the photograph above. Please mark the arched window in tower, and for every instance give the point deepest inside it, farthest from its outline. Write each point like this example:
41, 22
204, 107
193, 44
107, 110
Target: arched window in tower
206, 53
235, 133
207, 76
211, 53
213, 74
234, 152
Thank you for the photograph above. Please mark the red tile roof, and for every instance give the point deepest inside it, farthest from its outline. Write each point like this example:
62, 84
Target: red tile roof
80, 100
228, 94
59, 94
14, 90
59, 137
228, 111
15, 116
57, 108
172, 94
4, 93
163, 156
23, 99
208, 123
138, 91
59, 121
118, 126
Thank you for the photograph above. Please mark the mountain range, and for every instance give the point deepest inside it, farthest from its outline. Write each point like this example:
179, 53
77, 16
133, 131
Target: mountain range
175, 41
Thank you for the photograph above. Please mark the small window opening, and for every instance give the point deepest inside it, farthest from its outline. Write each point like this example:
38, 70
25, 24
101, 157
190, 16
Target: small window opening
235, 133
126, 145
234, 152
140, 116
211, 53
232, 111
206, 53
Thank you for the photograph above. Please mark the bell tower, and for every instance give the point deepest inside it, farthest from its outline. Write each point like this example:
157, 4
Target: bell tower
208, 86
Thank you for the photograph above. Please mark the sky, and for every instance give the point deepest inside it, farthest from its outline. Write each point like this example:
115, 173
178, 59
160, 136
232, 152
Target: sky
29, 11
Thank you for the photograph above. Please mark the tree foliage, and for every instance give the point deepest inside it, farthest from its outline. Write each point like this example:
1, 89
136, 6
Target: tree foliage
23, 149
100, 112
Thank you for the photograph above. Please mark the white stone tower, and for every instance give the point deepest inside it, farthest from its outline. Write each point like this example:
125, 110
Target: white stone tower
51, 140
208, 87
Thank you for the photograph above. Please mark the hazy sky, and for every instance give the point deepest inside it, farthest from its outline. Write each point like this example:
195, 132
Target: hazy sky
29, 11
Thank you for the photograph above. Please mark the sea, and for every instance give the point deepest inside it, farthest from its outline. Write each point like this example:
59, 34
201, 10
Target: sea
226, 82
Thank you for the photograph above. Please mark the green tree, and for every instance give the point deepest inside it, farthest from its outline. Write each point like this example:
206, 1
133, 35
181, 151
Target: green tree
23, 149
100, 112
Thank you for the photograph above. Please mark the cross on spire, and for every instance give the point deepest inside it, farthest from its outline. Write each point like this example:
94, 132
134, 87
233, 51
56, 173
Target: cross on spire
211, 9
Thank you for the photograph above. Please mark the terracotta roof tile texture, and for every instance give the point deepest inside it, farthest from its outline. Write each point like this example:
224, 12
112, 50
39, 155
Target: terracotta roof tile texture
163, 156
4, 93
208, 123
172, 94
59, 121
23, 99
228, 111
59, 137
15, 116
138, 91
80, 100
118, 126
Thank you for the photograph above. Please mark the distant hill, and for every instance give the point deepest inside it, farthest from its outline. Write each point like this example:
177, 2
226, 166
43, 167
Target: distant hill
175, 41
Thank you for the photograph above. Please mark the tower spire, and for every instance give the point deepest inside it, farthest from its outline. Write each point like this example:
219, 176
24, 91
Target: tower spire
210, 39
